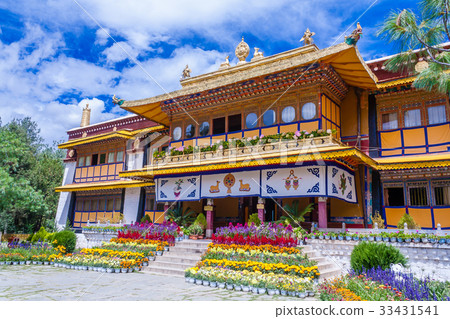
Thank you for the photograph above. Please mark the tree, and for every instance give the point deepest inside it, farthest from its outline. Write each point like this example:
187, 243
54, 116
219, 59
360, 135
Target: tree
294, 215
419, 38
29, 172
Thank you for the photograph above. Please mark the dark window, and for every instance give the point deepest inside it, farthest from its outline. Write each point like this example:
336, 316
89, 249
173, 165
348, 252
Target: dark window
102, 205
102, 158
117, 204
393, 196
110, 205
190, 131
418, 196
160, 206
204, 129
94, 159
442, 195
219, 125
234, 123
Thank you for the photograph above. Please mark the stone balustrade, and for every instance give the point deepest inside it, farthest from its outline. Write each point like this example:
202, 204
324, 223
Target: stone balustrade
262, 149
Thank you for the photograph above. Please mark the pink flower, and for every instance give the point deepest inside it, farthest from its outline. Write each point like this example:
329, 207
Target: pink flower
261, 136
297, 133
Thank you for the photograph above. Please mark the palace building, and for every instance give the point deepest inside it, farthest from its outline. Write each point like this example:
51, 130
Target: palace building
314, 126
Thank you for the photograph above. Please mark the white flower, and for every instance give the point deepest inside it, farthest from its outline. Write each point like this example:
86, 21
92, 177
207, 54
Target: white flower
329, 131
311, 136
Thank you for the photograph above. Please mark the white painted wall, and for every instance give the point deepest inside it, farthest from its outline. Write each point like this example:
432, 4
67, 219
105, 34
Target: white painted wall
131, 204
64, 197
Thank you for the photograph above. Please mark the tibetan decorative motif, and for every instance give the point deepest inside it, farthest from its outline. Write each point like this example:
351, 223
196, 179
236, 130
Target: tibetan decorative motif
341, 184
178, 188
242, 51
235, 184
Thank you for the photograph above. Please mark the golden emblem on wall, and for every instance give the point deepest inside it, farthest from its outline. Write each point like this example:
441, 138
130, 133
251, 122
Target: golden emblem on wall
214, 188
229, 181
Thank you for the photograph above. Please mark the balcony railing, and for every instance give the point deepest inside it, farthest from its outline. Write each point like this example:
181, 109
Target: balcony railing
265, 150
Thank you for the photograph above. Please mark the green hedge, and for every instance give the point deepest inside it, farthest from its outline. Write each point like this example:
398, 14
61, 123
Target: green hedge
369, 255
65, 238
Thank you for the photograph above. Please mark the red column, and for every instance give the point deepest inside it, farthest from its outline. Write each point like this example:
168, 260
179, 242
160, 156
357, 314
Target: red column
209, 218
322, 205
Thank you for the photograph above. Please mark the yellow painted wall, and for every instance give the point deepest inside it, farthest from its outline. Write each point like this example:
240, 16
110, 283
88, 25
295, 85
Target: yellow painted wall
442, 216
226, 207
348, 114
422, 216
393, 215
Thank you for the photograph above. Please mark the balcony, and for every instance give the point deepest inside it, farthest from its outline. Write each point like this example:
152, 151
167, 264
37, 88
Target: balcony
98, 173
238, 152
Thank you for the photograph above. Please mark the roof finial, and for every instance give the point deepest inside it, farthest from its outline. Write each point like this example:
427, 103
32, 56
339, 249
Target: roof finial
85, 116
354, 36
242, 51
307, 37
186, 73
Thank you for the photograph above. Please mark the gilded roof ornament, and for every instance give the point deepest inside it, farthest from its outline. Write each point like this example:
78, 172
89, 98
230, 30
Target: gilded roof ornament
117, 101
354, 36
307, 37
257, 55
186, 73
225, 64
242, 51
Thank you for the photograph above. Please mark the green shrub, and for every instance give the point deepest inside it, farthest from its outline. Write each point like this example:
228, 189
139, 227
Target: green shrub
39, 235
201, 220
410, 222
371, 255
65, 238
50, 237
146, 218
253, 218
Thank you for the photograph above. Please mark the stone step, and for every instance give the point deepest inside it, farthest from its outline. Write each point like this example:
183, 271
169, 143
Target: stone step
157, 270
193, 243
188, 250
181, 254
330, 273
173, 265
326, 265
179, 259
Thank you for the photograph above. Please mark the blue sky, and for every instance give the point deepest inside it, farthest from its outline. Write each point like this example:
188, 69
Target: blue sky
54, 58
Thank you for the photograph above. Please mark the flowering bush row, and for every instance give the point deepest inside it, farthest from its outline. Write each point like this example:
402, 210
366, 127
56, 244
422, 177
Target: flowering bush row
253, 249
28, 252
243, 142
250, 279
382, 285
102, 229
166, 231
228, 253
279, 268
398, 236
265, 234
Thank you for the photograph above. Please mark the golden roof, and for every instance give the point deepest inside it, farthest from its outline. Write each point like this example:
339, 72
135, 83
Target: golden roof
77, 187
413, 161
344, 58
125, 134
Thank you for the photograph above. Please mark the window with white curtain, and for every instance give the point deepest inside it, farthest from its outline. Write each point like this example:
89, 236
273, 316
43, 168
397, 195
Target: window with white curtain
288, 114
436, 114
412, 118
309, 111
389, 121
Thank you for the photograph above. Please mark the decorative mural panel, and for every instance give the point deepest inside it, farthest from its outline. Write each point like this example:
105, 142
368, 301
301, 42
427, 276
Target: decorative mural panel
341, 184
303, 181
233, 184
178, 188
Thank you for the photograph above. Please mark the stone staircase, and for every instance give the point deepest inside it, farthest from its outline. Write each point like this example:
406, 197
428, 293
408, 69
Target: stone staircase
327, 267
183, 255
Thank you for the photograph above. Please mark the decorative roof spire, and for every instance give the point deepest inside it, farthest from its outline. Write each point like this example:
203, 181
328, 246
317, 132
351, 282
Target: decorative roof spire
86, 116
186, 73
307, 37
242, 51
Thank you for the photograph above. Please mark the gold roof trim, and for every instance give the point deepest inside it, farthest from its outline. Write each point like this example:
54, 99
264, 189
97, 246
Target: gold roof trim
329, 153
413, 161
102, 185
126, 134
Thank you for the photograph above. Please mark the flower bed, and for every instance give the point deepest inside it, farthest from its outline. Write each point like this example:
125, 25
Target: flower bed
26, 253
266, 234
271, 269
382, 285
266, 254
166, 231
102, 229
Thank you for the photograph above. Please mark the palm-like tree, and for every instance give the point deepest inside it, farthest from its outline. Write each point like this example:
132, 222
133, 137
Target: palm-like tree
294, 215
419, 38
177, 215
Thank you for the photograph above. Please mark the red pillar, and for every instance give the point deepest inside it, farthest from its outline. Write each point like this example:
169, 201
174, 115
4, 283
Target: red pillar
209, 218
260, 207
322, 205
